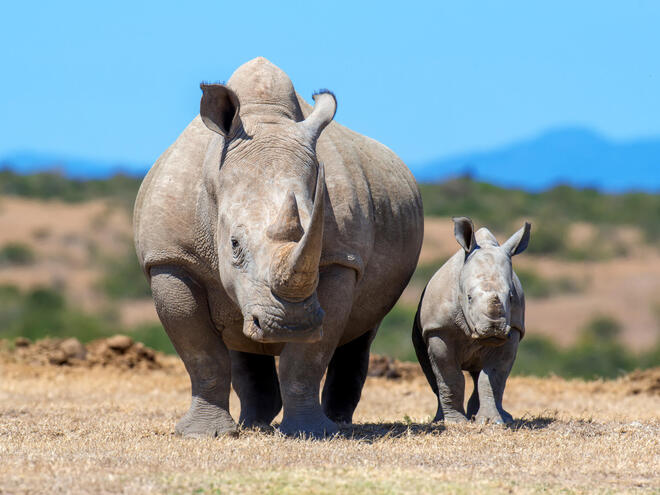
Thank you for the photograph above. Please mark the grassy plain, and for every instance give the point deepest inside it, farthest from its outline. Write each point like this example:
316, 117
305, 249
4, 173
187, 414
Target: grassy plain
105, 430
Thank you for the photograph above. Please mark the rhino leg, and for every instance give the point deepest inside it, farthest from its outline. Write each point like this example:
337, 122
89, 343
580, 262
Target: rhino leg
492, 380
302, 365
449, 380
183, 309
345, 378
254, 378
473, 401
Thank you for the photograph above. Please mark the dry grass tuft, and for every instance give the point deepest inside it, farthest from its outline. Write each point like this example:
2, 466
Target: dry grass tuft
107, 430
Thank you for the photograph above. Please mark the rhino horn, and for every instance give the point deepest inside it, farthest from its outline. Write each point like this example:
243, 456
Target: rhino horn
287, 225
294, 271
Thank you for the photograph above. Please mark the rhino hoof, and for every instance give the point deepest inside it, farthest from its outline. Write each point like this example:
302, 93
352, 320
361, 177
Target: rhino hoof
206, 420
307, 429
205, 429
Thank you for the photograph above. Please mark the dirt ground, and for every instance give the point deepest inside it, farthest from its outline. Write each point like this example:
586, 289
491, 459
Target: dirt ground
108, 427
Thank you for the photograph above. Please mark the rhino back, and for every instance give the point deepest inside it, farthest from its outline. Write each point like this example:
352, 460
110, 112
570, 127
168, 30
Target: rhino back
376, 216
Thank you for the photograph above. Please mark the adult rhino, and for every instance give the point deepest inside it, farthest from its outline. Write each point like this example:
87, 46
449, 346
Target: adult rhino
263, 234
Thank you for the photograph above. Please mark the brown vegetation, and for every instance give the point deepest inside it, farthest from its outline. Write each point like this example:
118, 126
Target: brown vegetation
72, 428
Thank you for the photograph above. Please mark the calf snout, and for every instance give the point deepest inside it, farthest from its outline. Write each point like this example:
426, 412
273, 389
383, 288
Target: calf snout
493, 332
495, 309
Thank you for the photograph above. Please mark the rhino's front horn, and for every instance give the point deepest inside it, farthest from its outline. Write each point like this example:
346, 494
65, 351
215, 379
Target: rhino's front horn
287, 226
294, 271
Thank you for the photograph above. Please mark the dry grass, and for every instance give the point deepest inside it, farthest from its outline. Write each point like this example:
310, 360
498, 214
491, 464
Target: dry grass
102, 430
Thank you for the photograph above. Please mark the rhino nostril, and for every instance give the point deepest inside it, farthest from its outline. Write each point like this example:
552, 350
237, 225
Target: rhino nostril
255, 320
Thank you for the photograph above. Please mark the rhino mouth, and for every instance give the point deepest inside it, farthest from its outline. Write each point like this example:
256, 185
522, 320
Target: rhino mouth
264, 326
493, 341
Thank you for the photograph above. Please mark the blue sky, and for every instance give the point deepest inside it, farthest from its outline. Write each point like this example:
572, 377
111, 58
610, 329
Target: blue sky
119, 80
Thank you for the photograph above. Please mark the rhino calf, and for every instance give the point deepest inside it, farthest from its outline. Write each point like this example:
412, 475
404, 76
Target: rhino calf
471, 317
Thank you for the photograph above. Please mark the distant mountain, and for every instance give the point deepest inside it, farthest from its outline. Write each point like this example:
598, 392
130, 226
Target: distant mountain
575, 156
76, 168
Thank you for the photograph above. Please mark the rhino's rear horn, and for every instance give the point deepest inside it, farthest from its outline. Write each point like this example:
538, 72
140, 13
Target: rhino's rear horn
294, 271
322, 114
286, 226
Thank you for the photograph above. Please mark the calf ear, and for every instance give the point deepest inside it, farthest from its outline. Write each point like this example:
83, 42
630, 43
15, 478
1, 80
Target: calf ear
464, 233
325, 106
518, 242
219, 109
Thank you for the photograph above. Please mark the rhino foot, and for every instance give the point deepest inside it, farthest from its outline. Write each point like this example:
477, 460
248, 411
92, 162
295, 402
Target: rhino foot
206, 420
494, 418
309, 427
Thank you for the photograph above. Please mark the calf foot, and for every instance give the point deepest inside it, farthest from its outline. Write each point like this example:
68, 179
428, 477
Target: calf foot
204, 419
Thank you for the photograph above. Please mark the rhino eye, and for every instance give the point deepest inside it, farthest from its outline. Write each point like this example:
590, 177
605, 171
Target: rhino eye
469, 298
238, 256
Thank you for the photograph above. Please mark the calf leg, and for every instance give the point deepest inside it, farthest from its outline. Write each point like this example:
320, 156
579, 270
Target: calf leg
183, 309
255, 380
345, 378
302, 365
449, 380
492, 380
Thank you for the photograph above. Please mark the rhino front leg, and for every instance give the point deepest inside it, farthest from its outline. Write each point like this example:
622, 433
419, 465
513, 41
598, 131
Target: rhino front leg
346, 375
492, 380
302, 365
449, 380
255, 380
183, 309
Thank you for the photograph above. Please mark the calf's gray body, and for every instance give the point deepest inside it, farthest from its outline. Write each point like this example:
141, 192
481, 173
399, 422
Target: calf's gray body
266, 229
471, 317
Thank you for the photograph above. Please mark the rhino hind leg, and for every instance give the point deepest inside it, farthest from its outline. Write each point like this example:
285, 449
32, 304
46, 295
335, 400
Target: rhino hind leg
423, 354
345, 378
183, 310
254, 378
473, 402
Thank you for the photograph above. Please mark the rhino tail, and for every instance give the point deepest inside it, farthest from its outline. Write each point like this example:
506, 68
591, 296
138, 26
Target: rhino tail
422, 351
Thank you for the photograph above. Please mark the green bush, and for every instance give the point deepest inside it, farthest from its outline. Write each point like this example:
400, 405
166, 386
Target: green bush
16, 253
502, 209
596, 354
394, 335
536, 286
123, 278
44, 312
53, 185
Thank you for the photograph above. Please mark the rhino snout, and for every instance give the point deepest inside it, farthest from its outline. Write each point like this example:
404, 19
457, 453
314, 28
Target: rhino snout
303, 324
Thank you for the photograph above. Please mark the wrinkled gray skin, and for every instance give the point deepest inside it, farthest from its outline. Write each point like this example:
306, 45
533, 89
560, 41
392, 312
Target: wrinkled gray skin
266, 229
471, 317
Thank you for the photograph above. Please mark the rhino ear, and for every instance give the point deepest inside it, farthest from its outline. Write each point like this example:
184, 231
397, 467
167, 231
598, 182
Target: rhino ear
322, 114
518, 242
464, 233
219, 109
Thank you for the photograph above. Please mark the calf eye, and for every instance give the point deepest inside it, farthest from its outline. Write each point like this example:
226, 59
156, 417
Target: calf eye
234, 243
469, 298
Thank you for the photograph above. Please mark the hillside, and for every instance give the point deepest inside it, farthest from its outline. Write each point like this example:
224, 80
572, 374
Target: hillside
67, 267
